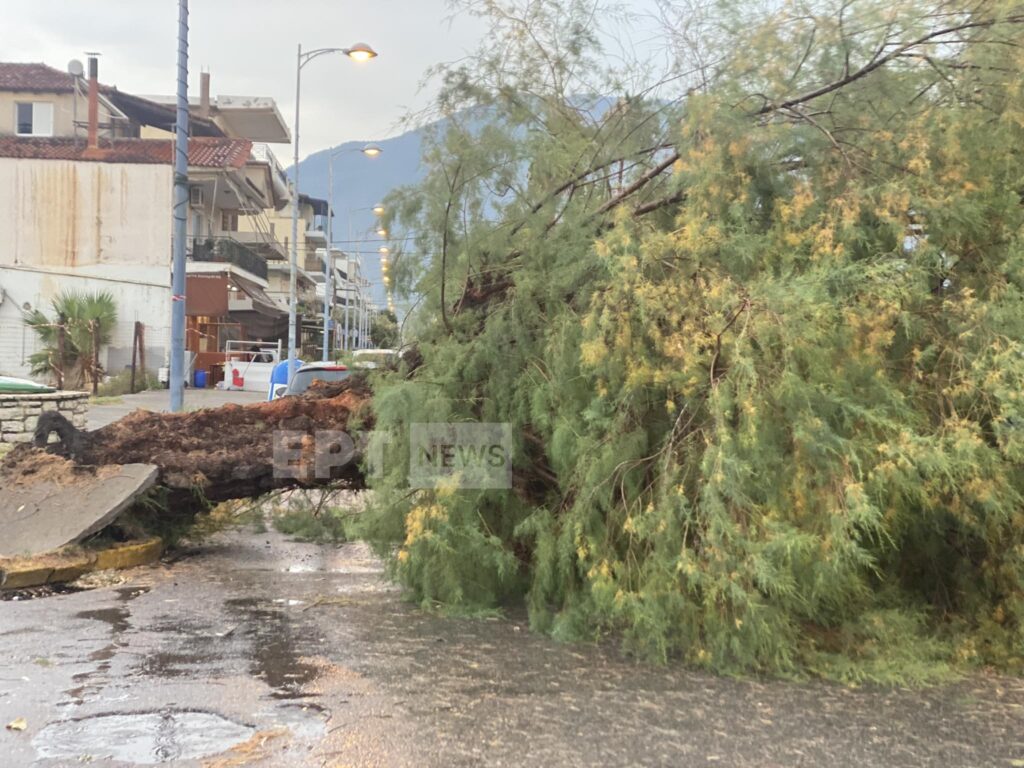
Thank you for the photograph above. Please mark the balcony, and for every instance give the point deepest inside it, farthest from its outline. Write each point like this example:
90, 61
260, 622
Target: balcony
262, 243
316, 233
224, 250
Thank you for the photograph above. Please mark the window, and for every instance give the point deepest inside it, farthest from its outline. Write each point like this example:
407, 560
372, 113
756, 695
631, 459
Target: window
229, 221
33, 118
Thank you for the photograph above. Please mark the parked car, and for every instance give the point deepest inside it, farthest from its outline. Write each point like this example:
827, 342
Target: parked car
309, 373
374, 358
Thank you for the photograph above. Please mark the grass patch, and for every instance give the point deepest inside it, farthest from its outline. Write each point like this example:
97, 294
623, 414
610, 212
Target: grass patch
315, 516
237, 513
111, 400
121, 384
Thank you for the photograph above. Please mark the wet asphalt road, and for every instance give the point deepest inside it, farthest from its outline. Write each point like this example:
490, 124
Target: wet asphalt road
259, 651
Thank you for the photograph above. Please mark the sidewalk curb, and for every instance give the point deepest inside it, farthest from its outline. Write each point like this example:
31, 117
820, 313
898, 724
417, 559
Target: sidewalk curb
56, 567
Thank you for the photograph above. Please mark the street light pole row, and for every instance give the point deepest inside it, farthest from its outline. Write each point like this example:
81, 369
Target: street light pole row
359, 52
371, 151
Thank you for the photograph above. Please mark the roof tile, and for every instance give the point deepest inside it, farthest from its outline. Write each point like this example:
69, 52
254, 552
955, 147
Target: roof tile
35, 77
204, 152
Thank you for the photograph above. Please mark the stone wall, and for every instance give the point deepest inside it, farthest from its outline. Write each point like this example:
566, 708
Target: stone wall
19, 413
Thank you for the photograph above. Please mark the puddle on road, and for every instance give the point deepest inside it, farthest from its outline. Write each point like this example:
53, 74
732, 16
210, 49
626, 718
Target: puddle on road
141, 738
273, 648
305, 721
117, 619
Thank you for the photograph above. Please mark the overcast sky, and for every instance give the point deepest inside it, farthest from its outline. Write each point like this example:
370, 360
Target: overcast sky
249, 47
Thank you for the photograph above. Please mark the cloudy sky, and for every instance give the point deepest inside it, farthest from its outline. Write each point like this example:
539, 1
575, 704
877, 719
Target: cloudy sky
249, 47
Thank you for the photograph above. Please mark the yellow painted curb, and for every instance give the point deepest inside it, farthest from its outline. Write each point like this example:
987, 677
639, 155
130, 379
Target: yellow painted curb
24, 576
129, 555
70, 569
56, 567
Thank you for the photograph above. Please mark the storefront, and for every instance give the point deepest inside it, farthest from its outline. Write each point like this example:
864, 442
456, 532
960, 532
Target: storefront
225, 306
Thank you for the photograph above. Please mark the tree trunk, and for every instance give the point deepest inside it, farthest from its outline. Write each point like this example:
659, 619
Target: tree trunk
224, 453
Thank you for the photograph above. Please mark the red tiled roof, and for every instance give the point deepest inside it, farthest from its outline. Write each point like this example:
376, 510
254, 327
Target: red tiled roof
202, 152
18, 76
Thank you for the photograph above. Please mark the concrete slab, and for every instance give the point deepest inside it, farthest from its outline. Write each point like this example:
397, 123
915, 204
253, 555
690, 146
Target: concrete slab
47, 514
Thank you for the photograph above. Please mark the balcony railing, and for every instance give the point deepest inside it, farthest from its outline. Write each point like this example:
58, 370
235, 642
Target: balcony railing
262, 152
224, 250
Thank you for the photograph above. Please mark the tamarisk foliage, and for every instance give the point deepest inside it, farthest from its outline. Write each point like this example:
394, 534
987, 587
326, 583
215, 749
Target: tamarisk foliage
757, 323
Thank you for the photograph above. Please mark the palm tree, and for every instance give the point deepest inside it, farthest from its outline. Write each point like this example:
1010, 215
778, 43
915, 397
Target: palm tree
86, 322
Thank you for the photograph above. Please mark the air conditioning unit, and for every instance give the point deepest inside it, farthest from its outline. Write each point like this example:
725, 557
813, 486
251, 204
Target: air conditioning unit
195, 197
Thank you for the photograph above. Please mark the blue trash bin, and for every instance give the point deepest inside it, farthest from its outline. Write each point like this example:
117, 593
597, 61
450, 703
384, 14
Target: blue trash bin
280, 376
200, 379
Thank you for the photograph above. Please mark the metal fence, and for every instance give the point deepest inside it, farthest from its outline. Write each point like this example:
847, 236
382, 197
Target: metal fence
225, 250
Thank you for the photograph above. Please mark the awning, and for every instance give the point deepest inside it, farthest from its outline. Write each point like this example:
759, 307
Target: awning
261, 302
260, 326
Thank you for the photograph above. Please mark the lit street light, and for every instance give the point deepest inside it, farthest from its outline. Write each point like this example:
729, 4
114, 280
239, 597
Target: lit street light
359, 52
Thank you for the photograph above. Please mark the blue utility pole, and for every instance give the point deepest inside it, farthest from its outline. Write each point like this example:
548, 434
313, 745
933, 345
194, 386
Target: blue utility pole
180, 232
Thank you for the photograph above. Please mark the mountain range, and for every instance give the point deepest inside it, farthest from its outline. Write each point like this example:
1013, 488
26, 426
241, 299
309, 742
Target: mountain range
360, 182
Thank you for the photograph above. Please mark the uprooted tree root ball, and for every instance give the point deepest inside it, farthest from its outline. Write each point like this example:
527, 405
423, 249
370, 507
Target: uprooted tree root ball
207, 455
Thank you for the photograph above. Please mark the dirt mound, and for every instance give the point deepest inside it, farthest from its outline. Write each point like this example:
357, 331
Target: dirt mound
31, 466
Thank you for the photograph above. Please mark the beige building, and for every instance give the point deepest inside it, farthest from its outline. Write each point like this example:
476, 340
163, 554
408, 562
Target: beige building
312, 236
86, 202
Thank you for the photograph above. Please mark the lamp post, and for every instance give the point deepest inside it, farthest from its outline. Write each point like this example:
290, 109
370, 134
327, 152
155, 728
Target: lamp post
365, 316
359, 52
371, 151
378, 210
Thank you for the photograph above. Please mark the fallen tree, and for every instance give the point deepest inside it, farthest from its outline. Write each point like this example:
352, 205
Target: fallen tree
754, 326
217, 454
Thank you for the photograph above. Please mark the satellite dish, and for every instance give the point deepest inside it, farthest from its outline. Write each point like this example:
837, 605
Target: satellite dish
75, 68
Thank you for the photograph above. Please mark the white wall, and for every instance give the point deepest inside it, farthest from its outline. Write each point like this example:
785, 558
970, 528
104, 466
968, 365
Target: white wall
147, 303
76, 214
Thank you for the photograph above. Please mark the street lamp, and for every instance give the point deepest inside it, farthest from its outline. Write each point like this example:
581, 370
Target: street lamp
359, 52
378, 209
370, 150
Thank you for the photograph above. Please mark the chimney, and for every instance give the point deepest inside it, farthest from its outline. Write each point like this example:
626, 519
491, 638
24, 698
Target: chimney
94, 106
204, 94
